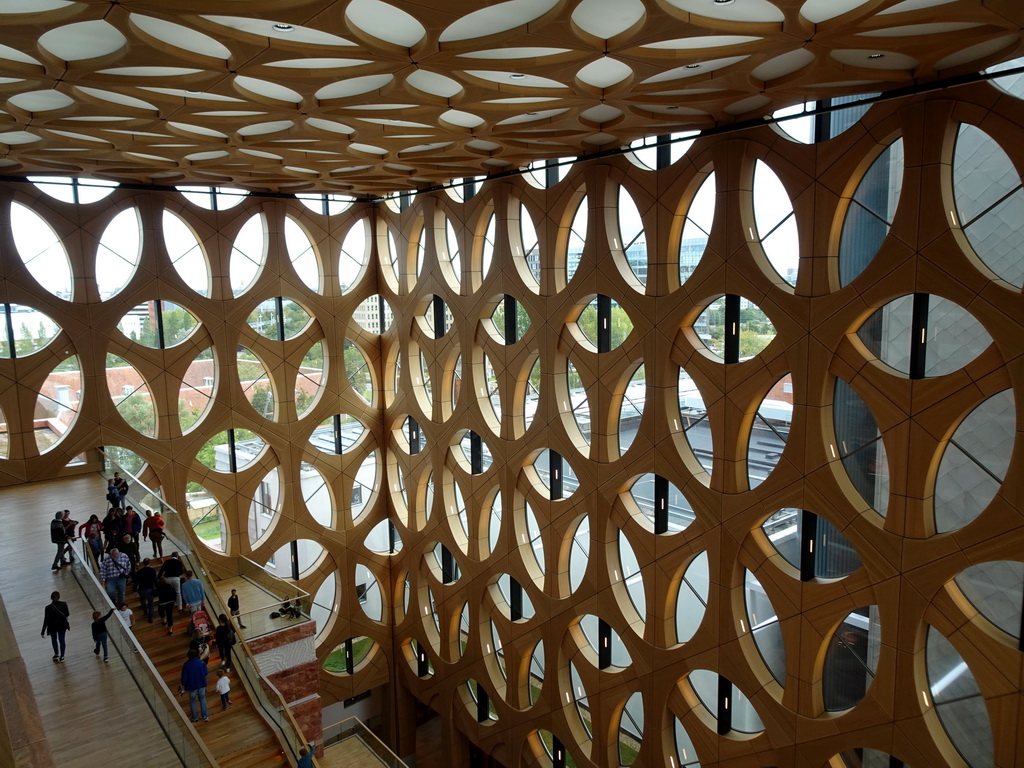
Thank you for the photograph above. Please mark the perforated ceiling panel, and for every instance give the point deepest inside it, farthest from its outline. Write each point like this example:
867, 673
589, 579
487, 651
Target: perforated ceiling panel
371, 97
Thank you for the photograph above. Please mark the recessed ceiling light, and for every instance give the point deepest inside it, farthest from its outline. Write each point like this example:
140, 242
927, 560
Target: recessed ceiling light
531, 113
283, 28
693, 66
723, 2
517, 76
876, 56
193, 93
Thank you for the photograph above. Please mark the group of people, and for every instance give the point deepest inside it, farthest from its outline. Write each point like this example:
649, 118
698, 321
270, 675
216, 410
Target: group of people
170, 588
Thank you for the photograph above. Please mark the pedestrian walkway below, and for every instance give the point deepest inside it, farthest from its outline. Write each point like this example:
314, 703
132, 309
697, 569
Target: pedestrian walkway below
92, 713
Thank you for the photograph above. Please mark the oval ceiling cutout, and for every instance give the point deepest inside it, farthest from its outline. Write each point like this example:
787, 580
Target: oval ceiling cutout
181, 37
604, 19
82, 40
495, 19
385, 22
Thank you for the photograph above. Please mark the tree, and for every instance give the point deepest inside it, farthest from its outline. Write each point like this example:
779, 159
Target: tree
137, 409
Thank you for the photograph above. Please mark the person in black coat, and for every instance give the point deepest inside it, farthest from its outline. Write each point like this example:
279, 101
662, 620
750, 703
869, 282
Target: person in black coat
56, 624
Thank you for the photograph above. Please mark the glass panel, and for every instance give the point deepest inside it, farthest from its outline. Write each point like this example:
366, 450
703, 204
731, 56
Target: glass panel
692, 600
264, 508
580, 403
316, 495
57, 404
33, 330
325, 204
363, 486
680, 513
579, 554
256, 384
744, 716
860, 447
694, 422
776, 222
975, 462
118, 253
41, 251
131, 395
632, 408
632, 576
248, 254
383, 539
450, 255
534, 540
206, 517
302, 254
579, 694
321, 610
631, 729
355, 249
685, 752
186, 253
309, 379
196, 391
350, 431
697, 228
357, 368
764, 623
632, 239
577, 239
851, 659
996, 589
871, 212
521, 322
958, 701
769, 431
536, 672
374, 314
368, 593
529, 246
1012, 84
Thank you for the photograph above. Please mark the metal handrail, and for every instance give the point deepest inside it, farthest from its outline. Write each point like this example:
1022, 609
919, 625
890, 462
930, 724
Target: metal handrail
85, 570
291, 738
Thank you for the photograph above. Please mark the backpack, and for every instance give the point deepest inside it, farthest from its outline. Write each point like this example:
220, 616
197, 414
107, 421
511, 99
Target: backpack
58, 535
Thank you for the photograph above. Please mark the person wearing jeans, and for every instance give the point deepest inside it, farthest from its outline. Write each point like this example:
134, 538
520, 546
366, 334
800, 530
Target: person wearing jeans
56, 625
114, 575
193, 680
99, 632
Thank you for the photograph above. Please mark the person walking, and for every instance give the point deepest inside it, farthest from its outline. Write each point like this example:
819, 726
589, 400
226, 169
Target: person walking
193, 680
145, 585
122, 489
192, 592
70, 528
224, 634
92, 529
99, 632
224, 689
153, 529
114, 575
58, 536
172, 570
56, 624
165, 603
132, 524
233, 607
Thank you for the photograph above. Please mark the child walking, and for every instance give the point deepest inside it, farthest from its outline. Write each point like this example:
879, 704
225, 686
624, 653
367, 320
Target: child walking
224, 689
99, 632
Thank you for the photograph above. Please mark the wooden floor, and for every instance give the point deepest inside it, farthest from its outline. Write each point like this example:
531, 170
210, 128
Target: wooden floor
351, 753
238, 738
250, 598
82, 702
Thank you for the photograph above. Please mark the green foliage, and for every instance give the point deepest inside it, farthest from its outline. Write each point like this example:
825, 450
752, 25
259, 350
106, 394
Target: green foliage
358, 371
137, 409
178, 323
335, 661
129, 461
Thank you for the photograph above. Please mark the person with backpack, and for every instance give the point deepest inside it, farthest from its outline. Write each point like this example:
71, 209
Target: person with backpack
59, 536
